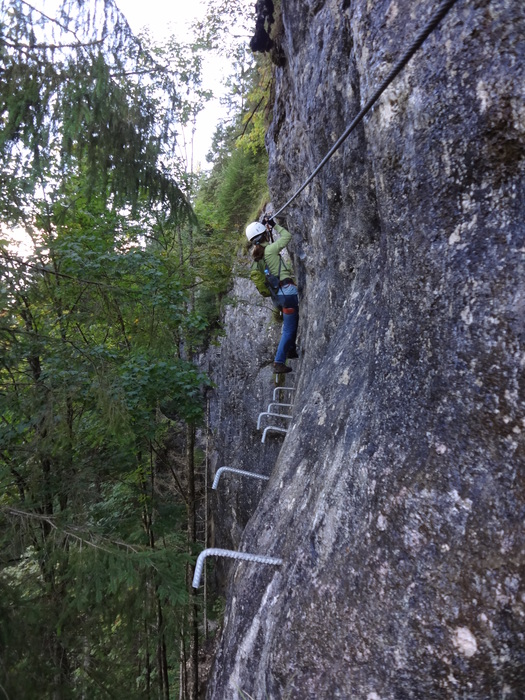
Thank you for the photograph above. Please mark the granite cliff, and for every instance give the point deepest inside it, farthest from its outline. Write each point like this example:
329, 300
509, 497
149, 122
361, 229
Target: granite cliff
396, 500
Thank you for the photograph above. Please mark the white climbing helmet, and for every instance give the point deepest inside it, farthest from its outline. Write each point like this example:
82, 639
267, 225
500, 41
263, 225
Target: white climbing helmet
255, 229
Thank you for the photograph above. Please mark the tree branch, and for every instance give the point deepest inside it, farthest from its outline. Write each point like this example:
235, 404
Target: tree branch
51, 19
254, 111
75, 533
51, 47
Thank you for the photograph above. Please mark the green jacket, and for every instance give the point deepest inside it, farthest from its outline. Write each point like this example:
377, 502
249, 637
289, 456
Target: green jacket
271, 254
271, 259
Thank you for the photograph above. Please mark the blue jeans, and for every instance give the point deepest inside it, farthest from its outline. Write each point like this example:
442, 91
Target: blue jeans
290, 306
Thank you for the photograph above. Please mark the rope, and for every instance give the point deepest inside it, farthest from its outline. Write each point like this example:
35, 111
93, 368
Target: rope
405, 58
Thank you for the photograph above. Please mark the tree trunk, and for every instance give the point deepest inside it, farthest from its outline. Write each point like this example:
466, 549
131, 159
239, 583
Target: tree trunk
193, 655
162, 655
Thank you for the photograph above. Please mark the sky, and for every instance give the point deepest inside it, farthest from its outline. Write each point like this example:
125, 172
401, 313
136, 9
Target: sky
165, 18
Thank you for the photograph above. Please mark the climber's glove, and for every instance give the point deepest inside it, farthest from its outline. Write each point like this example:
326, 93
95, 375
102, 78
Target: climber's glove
268, 221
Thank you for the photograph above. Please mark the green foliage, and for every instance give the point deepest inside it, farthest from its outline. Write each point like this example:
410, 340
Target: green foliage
256, 117
98, 329
238, 180
106, 612
222, 16
79, 94
244, 176
231, 193
90, 337
180, 64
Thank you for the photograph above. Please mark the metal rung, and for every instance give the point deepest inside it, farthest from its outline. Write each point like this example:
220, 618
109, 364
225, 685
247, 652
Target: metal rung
282, 388
246, 556
274, 428
236, 471
270, 413
274, 403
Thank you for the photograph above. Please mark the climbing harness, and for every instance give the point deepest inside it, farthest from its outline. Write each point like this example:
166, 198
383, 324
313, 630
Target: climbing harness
405, 58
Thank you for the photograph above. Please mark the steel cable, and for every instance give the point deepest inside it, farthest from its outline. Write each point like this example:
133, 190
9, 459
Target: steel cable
405, 58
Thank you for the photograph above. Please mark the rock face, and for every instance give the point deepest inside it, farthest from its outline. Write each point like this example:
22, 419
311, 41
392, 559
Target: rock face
241, 369
397, 498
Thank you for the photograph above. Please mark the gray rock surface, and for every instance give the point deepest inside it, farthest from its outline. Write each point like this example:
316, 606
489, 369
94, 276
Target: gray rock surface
397, 499
241, 369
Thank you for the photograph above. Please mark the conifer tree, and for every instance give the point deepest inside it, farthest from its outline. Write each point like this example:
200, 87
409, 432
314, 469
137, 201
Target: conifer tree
100, 481
77, 94
92, 546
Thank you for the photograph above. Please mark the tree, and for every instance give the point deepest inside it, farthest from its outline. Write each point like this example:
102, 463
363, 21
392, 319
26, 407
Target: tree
87, 334
78, 95
93, 548
99, 396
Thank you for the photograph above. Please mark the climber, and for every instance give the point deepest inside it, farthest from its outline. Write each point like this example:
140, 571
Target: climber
278, 278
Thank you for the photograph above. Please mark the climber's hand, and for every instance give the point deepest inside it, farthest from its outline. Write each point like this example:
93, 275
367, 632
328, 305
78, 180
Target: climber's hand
269, 222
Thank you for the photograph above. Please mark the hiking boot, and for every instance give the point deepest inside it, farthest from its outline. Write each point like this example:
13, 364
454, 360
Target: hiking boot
292, 354
279, 368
